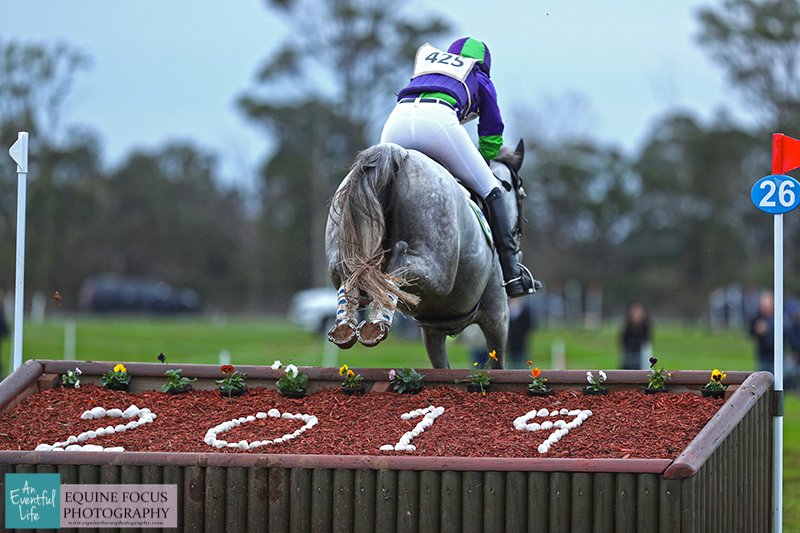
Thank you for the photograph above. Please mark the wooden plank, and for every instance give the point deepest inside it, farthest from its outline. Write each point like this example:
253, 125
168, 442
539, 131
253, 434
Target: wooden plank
408, 501
430, 498
625, 503
109, 475
129, 474
152, 475
19, 385
194, 492
560, 502
386, 501
669, 505
236, 499
173, 475
604, 487
343, 501
280, 495
516, 502
88, 475
4, 469
472, 501
538, 501
364, 500
214, 502
647, 499
321, 500
300, 500
582, 503
257, 497
690, 521
69, 476
494, 505
451, 501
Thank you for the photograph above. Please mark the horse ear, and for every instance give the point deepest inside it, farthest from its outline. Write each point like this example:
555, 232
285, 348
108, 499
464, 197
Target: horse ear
519, 152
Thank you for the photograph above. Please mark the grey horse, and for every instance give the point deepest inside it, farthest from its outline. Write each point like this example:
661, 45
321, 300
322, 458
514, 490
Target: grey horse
401, 232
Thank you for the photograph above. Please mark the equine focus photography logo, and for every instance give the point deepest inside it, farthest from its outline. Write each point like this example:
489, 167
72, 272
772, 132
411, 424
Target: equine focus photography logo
32, 501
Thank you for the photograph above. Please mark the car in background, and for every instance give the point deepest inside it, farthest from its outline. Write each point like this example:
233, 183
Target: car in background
116, 293
314, 310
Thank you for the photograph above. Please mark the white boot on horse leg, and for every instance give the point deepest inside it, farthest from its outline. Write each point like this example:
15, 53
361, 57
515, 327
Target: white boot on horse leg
343, 332
378, 323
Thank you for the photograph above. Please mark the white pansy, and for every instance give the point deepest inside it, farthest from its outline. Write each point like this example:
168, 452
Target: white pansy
590, 378
291, 371
603, 376
276, 365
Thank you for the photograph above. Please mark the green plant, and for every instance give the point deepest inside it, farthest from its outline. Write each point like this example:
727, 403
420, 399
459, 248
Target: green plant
116, 378
596, 384
477, 374
351, 379
293, 380
405, 380
538, 382
715, 383
176, 382
233, 380
71, 379
657, 379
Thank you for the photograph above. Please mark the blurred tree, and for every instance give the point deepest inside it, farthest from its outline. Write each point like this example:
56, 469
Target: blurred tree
694, 227
163, 214
580, 204
757, 43
318, 96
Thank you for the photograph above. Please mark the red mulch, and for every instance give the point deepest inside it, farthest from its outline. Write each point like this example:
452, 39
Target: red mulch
624, 424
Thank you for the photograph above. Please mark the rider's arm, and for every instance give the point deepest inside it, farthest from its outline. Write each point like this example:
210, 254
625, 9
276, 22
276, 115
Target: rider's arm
490, 123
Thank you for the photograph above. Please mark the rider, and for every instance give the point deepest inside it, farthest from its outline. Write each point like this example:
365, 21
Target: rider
446, 90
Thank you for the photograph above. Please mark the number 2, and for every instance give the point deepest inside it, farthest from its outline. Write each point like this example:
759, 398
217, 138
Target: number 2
766, 201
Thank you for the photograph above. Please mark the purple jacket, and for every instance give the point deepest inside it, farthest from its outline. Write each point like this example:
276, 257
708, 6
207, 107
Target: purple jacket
482, 94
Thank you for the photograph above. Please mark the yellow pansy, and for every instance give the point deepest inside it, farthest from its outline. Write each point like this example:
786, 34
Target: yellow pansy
120, 368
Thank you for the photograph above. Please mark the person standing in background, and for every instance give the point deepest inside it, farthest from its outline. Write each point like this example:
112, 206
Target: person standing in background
636, 334
762, 329
522, 321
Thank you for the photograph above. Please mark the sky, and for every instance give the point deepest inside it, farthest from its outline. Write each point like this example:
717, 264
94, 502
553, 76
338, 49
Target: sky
172, 69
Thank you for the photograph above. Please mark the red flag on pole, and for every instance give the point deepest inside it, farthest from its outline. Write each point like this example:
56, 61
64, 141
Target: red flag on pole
785, 153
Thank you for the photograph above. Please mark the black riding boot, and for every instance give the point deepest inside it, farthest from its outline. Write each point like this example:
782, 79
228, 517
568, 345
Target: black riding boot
516, 278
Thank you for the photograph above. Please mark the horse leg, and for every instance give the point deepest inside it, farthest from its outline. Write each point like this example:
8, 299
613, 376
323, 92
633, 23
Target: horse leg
343, 332
379, 320
493, 321
434, 342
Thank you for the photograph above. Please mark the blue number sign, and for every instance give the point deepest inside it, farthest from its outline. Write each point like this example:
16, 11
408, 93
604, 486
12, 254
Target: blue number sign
776, 194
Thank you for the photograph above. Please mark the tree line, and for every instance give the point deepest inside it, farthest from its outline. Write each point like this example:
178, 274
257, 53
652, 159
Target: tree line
665, 225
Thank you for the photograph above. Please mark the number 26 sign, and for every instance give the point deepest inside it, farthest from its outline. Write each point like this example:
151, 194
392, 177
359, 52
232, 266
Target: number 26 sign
776, 194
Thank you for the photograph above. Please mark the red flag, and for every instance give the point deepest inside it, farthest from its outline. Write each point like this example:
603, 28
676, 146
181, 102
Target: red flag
785, 153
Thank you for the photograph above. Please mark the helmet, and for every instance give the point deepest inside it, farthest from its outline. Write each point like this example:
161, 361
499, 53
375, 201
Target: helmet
475, 49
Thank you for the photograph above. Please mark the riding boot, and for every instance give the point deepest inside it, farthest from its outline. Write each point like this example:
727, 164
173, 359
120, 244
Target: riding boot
517, 279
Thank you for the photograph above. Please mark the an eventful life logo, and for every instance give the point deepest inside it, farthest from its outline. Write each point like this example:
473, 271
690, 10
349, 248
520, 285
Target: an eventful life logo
39, 501
33, 501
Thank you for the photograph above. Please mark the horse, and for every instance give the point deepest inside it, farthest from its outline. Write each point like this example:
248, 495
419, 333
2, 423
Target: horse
402, 233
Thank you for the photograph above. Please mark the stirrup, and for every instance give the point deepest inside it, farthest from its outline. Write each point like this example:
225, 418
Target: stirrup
525, 286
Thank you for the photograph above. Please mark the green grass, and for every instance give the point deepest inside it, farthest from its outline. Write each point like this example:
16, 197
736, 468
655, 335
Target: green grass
260, 341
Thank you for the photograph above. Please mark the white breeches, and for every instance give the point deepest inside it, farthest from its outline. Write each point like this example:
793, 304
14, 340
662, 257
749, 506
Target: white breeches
434, 130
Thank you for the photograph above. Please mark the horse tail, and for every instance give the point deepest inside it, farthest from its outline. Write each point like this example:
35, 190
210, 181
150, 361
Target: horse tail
362, 225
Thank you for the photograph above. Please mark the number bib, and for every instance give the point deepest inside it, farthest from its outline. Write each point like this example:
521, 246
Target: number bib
431, 60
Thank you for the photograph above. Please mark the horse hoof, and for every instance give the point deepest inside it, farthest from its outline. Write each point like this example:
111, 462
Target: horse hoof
372, 333
343, 335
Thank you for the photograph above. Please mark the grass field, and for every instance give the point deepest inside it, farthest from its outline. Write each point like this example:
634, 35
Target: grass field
260, 341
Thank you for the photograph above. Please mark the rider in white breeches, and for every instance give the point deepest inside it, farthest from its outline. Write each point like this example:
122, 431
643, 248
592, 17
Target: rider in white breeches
446, 90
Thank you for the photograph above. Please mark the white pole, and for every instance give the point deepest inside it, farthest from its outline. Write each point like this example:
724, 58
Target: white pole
70, 340
777, 475
19, 153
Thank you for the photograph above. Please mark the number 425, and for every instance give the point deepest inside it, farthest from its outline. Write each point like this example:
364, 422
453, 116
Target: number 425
446, 59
